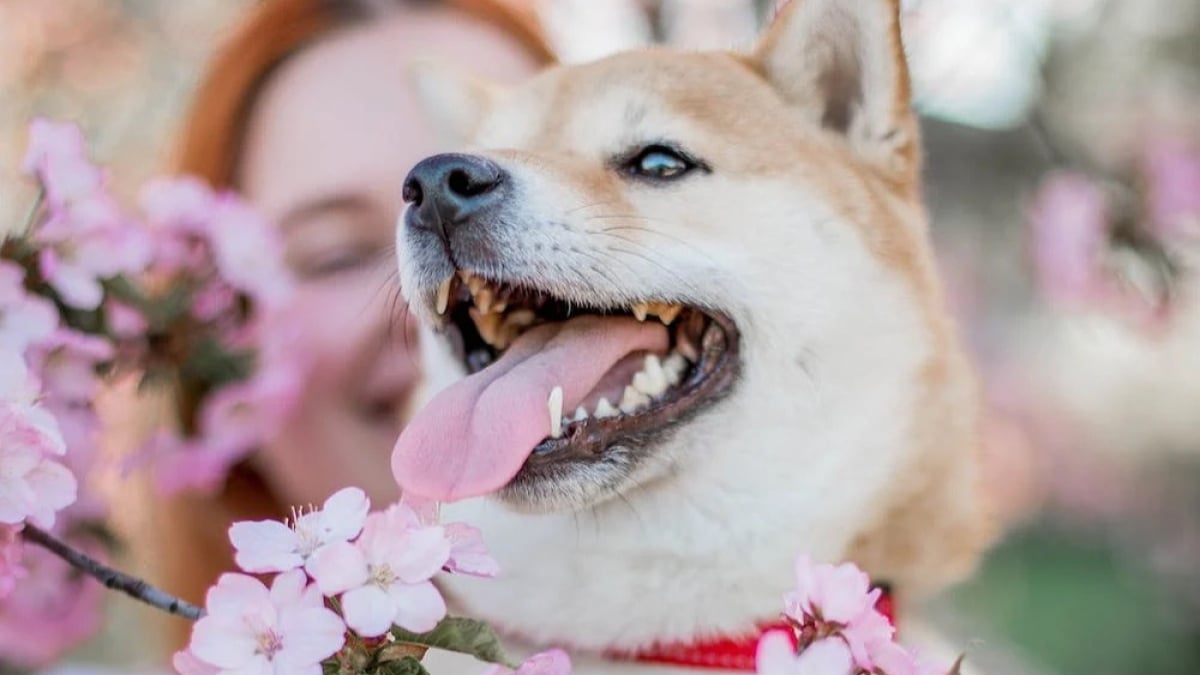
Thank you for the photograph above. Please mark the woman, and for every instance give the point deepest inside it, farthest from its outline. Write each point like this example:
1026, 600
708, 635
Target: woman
307, 112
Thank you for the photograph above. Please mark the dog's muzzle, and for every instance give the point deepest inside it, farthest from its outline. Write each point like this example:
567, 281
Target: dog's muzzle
447, 192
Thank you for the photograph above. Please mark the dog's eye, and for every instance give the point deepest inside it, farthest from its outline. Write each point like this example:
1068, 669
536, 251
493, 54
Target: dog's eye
660, 163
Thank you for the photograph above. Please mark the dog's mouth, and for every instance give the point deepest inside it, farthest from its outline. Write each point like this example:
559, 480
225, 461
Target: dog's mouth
557, 384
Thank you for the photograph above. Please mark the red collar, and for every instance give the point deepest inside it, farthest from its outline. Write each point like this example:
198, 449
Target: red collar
735, 653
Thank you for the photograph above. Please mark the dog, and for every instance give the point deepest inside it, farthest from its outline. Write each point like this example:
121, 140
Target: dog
683, 324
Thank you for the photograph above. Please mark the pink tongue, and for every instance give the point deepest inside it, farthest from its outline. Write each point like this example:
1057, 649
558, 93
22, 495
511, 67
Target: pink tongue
472, 438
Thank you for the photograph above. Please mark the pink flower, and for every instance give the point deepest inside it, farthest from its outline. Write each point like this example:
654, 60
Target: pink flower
1069, 229
249, 252
11, 570
124, 321
87, 242
242, 415
777, 656
180, 204
1173, 185
864, 635
251, 630
51, 140
52, 610
838, 594
181, 465
66, 362
32, 486
213, 300
552, 662
272, 546
468, 555
24, 318
384, 577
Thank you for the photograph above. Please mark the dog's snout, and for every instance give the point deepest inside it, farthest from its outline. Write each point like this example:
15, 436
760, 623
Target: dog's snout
446, 191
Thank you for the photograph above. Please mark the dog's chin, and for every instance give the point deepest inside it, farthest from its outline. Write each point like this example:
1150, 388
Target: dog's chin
618, 439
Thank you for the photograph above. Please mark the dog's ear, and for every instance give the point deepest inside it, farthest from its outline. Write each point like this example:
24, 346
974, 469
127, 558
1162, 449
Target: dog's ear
454, 101
841, 64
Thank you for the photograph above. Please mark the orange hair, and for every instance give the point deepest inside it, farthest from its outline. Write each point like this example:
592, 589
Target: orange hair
191, 548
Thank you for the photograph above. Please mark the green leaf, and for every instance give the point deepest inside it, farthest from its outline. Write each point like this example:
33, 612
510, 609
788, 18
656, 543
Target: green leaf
405, 666
458, 634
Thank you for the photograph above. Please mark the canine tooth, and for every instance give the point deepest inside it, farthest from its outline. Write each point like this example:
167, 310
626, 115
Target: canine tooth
443, 296
499, 307
555, 403
488, 326
666, 313
580, 414
633, 399
605, 409
640, 311
475, 283
484, 299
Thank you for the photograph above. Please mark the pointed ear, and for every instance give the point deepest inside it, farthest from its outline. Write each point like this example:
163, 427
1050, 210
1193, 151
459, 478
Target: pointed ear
841, 64
454, 101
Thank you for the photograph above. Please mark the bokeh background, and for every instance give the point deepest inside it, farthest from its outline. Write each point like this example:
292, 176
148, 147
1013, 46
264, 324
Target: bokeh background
1094, 435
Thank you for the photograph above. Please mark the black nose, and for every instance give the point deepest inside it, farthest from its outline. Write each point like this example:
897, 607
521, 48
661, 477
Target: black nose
447, 190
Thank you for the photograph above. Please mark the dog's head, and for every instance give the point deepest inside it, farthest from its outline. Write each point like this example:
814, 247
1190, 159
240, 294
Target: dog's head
677, 268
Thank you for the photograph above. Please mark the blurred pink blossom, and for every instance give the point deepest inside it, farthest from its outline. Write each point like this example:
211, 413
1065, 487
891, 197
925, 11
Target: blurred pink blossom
86, 243
51, 140
1172, 173
552, 662
11, 569
1069, 229
468, 554
384, 577
249, 252
180, 204
838, 594
66, 363
184, 465
213, 301
32, 486
251, 630
24, 318
52, 610
124, 321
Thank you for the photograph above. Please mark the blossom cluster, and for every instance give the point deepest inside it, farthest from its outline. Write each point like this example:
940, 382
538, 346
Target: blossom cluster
339, 570
90, 291
1094, 243
837, 629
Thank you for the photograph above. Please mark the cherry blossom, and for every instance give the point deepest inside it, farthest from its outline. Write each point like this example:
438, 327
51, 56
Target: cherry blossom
384, 577
1069, 229
248, 252
250, 629
272, 546
838, 594
468, 554
32, 486
1172, 172
24, 318
777, 656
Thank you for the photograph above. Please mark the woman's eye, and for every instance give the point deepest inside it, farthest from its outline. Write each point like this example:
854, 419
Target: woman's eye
334, 262
660, 163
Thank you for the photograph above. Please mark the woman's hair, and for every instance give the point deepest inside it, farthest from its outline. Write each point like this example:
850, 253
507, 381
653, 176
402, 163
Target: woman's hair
191, 545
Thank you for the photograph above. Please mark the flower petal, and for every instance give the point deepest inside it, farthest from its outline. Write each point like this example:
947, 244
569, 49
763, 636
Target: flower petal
265, 546
776, 654
825, 657
420, 554
338, 567
288, 589
310, 635
368, 610
233, 593
418, 607
223, 644
343, 514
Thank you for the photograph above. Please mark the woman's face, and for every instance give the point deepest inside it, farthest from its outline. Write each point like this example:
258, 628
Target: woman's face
328, 146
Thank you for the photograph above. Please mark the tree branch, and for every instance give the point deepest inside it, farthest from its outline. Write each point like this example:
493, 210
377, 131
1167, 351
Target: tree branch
119, 581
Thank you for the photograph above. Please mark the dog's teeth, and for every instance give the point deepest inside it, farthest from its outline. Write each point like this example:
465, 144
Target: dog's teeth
484, 299
674, 367
443, 296
650, 384
640, 311
488, 326
633, 399
555, 403
653, 367
581, 414
499, 307
665, 313
475, 284
521, 318
605, 409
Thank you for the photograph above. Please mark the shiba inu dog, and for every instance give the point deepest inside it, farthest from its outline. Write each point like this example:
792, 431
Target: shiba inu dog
698, 308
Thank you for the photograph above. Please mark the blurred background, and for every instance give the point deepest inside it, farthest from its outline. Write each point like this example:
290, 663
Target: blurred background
1093, 376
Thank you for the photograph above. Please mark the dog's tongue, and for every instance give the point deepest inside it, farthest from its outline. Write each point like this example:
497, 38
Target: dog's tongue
473, 437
